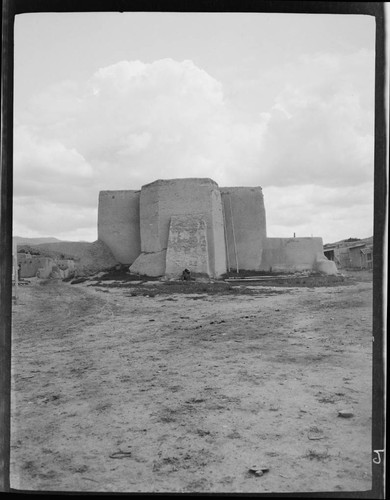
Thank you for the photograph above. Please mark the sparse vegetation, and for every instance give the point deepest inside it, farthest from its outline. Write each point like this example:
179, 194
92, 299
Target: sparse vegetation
193, 392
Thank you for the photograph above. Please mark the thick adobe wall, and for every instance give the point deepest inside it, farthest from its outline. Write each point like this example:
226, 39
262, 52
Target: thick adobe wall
291, 254
245, 226
217, 236
163, 199
119, 225
149, 219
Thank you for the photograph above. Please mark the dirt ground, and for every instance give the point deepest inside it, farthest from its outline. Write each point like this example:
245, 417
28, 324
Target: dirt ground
147, 388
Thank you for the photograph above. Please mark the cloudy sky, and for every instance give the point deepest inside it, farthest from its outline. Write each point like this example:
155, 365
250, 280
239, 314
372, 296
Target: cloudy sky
114, 101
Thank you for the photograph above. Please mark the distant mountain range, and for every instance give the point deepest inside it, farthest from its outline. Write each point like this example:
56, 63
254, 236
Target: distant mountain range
20, 240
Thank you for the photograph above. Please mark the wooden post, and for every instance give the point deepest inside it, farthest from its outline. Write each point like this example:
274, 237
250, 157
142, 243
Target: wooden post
16, 275
6, 158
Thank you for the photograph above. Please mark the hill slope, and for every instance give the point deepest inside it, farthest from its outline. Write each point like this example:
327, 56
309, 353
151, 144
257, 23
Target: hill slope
21, 240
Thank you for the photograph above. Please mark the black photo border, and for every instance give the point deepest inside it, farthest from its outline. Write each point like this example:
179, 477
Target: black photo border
12, 8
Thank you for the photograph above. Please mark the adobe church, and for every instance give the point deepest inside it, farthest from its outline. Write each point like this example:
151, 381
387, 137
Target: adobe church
177, 224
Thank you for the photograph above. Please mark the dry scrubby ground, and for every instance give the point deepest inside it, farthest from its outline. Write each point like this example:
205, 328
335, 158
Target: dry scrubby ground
184, 389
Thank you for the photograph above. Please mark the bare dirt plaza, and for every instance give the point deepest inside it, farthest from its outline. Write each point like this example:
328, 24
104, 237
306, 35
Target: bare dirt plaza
158, 387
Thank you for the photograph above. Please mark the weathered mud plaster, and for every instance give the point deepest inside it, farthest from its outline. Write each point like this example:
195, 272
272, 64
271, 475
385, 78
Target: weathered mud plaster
175, 224
150, 264
291, 254
163, 199
323, 265
245, 226
218, 257
46, 269
187, 246
119, 224
31, 264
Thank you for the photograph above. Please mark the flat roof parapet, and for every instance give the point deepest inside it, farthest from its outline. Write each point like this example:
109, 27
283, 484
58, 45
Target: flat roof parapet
119, 191
243, 188
184, 180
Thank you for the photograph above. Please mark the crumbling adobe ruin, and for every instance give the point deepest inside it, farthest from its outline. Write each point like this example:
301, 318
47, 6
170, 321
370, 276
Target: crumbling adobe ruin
63, 259
177, 224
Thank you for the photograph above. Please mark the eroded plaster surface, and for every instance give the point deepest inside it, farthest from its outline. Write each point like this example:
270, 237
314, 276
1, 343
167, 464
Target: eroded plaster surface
245, 226
119, 223
30, 264
187, 246
150, 264
291, 254
176, 224
163, 199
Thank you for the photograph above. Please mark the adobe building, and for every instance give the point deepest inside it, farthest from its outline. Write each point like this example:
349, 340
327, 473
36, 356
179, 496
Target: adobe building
43, 267
119, 224
176, 224
30, 265
353, 253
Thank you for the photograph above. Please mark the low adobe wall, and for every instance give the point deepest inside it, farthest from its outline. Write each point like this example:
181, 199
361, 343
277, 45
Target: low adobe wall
163, 199
119, 224
36, 265
291, 254
30, 264
245, 226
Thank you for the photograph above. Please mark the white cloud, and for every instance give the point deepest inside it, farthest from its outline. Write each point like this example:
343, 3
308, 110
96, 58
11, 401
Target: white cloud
46, 170
334, 213
34, 217
134, 122
320, 128
35, 156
